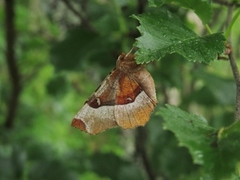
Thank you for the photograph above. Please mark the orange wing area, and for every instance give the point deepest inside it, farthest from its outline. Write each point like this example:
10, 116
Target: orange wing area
127, 91
133, 106
136, 113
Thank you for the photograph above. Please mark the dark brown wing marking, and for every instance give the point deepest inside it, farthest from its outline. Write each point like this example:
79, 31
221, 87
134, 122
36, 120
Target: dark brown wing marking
105, 94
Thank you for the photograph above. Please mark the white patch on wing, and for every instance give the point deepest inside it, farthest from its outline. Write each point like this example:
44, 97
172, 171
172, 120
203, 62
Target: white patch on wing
102, 88
97, 119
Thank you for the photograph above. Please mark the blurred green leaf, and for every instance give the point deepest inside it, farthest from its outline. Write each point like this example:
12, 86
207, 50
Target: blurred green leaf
57, 85
130, 171
204, 96
110, 165
79, 47
169, 70
164, 33
50, 169
216, 90
155, 3
74, 48
196, 5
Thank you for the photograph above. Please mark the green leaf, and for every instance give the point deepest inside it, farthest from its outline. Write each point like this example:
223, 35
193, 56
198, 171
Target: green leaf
229, 148
191, 130
201, 7
218, 153
163, 33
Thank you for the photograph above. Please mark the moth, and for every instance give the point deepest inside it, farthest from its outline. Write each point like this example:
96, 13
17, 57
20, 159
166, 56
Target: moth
126, 98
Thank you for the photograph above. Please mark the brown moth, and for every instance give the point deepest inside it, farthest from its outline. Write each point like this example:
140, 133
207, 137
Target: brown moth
125, 98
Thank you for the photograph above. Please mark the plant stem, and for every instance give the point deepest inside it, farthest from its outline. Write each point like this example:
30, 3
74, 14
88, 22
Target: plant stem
208, 29
226, 3
140, 143
229, 23
237, 81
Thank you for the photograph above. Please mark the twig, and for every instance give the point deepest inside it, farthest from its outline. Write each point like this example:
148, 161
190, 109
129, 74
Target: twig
140, 6
85, 22
11, 63
141, 151
234, 69
208, 29
226, 3
237, 81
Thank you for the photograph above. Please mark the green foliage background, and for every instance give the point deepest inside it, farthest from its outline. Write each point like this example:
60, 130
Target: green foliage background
63, 57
